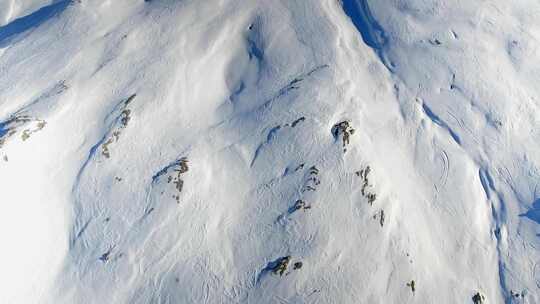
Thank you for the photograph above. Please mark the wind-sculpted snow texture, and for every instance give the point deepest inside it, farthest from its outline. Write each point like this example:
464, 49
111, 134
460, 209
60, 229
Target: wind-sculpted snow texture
241, 151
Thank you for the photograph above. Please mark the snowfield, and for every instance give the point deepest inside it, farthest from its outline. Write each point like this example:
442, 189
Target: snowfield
291, 151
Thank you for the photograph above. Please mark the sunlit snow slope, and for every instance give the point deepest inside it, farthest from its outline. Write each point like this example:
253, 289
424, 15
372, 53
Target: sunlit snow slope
292, 151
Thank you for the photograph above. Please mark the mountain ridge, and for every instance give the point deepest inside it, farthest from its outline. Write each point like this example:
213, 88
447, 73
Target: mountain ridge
259, 152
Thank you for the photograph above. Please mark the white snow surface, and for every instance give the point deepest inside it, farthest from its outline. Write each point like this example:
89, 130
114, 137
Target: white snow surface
153, 151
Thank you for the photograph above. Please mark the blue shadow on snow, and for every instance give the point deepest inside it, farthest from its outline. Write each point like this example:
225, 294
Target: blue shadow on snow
534, 213
372, 33
35, 19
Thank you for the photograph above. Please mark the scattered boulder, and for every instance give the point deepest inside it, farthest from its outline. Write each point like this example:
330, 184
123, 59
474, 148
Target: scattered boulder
371, 198
182, 168
412, 285
363, 174
124, 119
435, 41
296, 122
281, 265
174, 172
39, 126
299, 205
313, 180
14, 124
183, 165
297, 265
344, 130
25, 135
517, 294
129, 99
105, 147
105, 256
478, 298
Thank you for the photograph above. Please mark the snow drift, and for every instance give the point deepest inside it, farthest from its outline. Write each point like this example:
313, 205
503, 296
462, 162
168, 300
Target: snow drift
239, 151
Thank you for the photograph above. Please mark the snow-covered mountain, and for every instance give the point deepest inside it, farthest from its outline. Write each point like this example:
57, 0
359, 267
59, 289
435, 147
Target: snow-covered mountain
269, 151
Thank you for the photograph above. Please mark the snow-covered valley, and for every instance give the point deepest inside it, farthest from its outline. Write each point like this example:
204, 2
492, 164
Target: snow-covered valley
283, 151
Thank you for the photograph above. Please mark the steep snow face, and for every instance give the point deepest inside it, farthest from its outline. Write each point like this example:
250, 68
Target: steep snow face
269, 151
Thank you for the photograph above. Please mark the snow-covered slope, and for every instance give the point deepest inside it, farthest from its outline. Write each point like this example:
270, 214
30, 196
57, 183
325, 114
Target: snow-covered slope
242, 151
